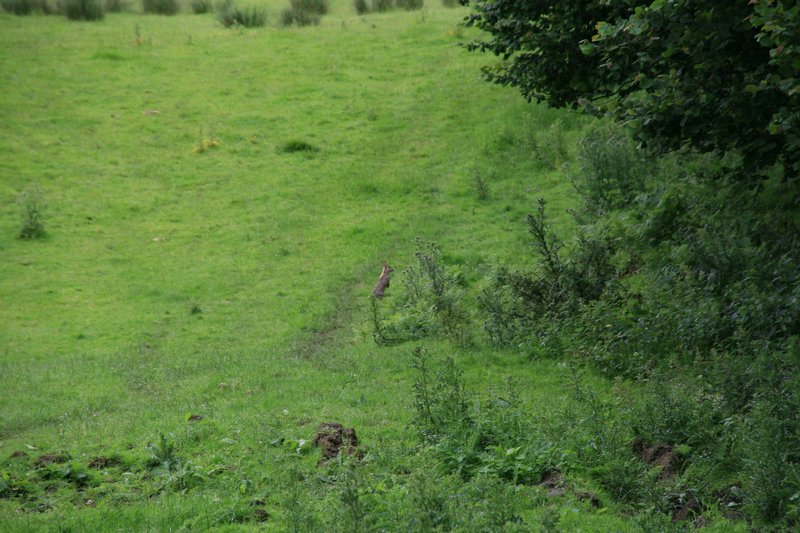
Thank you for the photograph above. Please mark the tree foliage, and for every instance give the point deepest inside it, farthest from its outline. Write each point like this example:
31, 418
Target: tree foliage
713, 76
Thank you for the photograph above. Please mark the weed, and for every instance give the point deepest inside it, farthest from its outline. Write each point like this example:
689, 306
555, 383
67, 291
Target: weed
432, 500
162, 453
160, 7
480, 186
205, 144
33, 208
299, 514
611, 171
550, 146
292, 146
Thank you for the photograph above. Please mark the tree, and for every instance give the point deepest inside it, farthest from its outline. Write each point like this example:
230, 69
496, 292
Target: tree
710, 75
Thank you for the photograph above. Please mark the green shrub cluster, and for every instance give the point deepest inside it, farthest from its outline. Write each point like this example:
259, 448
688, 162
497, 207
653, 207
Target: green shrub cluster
676, 265
229, 14
304, 12
430, 302
26, 7
160, 7
364, 7
33, 208
200, 7
84, 9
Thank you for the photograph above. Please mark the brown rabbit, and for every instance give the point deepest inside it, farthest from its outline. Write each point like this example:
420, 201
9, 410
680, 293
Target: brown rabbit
383, 281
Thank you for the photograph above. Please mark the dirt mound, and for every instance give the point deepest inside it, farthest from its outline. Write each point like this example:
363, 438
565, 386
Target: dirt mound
661, 455
332, 437
104, 462
685, 509
51, 458
588, 497
554, 483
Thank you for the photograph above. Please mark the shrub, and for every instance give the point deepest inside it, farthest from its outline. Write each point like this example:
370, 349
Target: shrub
304, 12
492, 437
318, 7
84, 10
115, 6
451, 3
200, 6
611, 171
33, 208
229, 14
291, 17
409, 5
430, 302
20, 7
382, 5
160, 7
362, 7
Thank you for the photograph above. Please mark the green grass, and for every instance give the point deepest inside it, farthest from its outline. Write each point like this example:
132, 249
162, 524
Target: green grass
232, 282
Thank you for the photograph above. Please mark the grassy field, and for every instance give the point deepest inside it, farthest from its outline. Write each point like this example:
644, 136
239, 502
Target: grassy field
218, 206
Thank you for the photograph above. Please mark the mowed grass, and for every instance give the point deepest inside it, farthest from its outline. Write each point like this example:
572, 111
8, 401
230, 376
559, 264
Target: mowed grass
195, 264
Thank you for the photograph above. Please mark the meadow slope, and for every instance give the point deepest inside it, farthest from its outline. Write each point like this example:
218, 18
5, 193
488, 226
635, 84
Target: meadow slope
195, 266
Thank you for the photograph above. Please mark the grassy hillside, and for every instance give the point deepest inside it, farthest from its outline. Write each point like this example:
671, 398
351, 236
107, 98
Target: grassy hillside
218, 206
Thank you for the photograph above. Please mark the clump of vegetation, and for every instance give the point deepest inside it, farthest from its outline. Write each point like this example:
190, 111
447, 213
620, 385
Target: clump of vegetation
295, 145
116, 6
200, 7
304, 12
160, 7
409, 5
23, 7
231, 15
430, 302
364, 7
33, 208
84, 9
206, 144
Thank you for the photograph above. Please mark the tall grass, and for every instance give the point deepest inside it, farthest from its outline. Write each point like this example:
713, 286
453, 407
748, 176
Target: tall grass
160, 7
84, 10
230, 15
304, 12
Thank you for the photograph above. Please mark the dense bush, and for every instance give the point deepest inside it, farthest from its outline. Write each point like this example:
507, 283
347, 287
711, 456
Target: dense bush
409, 5
362, 7
304, 12
467, 438
160, 7
84, 10
20, 7
115, 6
200, 7
229, 14
716, 78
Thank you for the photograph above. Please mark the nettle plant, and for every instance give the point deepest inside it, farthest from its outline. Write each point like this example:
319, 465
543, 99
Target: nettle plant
33, 208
